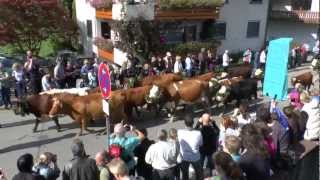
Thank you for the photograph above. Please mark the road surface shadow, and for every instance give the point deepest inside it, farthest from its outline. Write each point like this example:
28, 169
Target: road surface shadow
35, 143
19, 123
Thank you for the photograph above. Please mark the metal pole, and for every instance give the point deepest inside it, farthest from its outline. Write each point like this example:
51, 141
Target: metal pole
108, 130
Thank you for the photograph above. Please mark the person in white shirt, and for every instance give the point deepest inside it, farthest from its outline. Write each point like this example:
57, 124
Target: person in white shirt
190, 141
188, 62
263, 57
163, 157
225, 60
178, 65
47, 83
312, 108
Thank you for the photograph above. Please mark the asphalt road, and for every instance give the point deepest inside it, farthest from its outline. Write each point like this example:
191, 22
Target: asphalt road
16, 136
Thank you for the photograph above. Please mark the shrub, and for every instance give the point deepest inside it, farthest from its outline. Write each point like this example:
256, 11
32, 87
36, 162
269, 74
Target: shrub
190, 47
101, 3
189, 4
105, 44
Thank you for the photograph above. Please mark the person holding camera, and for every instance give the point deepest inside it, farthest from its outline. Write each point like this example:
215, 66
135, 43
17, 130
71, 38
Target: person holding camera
47, 166
24, 165
210, 135
122, 146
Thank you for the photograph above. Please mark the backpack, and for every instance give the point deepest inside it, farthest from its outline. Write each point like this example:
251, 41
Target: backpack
117, 151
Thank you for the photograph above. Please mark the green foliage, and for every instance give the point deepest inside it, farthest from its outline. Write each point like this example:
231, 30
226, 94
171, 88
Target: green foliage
137, 37
189, 4
190, 47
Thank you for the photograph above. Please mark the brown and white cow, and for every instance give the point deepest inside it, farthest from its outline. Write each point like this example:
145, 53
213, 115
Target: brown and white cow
185, 92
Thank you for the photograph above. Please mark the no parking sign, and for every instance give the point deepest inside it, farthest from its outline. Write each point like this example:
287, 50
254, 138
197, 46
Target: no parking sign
105, 85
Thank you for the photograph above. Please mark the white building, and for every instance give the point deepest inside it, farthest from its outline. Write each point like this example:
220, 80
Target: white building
299, 19
175, 25
242, 24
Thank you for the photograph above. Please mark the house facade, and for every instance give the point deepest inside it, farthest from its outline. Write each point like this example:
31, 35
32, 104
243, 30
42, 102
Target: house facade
176, 26
242, 24
299, 19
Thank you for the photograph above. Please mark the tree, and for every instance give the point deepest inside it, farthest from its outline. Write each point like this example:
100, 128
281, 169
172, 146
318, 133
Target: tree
25, 24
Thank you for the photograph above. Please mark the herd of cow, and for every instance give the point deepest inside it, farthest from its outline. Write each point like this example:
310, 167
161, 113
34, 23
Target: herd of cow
85, 105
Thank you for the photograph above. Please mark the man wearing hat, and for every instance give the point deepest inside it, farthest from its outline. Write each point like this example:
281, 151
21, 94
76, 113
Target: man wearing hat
81, 167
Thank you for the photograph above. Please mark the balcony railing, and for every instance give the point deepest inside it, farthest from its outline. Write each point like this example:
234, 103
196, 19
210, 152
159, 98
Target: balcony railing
106, 55
300, 16
186, 14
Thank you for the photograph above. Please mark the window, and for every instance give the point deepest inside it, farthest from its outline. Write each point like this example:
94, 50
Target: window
255, 1
190, 33
253, 29
220, 29
105, 30
89, 28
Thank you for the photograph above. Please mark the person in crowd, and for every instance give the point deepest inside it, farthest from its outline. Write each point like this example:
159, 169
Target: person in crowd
294, 96
147, 70
162, 156
256, 60
188, 67
232, 146
266, 133
178, 65
92, 78
228, 127
20, 83
247, 56
312, 108
120, 170
25, 164
210, 135
211, 60
169, 62
190, 142
33, 69
263, 57
242, 114
5, 87
59, 74
255, 161
202, 57
85, 68
3, 175
102, 161
47, 82
127, 143
143, 169
81, 167
96, 65
226, 168
47, 166
293, 58
70, 72
161, 65
173, 139
225, 60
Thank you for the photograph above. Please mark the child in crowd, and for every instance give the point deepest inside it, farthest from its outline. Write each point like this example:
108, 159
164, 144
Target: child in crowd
232, 146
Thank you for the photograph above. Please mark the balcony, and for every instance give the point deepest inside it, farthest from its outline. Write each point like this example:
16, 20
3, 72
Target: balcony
190, 14
163, 10
297, 16
188, 10
104, 13
105, 54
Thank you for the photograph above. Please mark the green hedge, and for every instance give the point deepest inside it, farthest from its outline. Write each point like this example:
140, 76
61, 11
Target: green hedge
190, 47
189, 4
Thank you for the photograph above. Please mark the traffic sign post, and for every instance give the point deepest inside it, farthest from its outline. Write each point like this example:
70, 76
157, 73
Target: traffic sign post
105, 88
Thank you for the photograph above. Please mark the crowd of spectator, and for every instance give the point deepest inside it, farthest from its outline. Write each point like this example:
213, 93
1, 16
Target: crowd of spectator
244, 145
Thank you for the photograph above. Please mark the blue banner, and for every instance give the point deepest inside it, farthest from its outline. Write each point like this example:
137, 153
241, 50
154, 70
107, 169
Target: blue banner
276, 73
